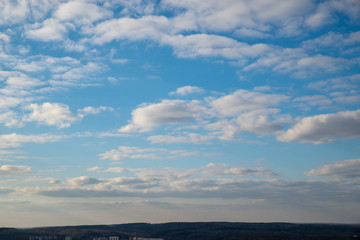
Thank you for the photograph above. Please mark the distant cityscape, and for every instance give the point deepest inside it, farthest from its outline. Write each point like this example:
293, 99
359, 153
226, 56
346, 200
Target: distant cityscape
188, 231
95, 238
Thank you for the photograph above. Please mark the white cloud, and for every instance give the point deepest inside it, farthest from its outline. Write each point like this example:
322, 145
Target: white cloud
186, 90
248, 32
10, 119
240, 111
147, 117
125, 152
50, 114
325, 11
324, 128
179, 185
47, 180
15, 140
22, 82
73, 75
161, 30
205, 45
117, 170
92, 111
14, 169
347, 98
9, 101
192, 138
50, 30
163, 177
224, 169
184, 153
58, 114
345, 82
13, 11
4, 38
63, 19
325, 63
146, 27
83, 180
340, 169
314, 100
81, 12
298, 62
29, 67
261, 121
229, 15
93, 169
244, 100
332, 40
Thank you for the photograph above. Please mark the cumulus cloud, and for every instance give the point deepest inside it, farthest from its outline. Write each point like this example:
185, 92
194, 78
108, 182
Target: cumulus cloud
244, 100
231, 14
241, 111
81, 12
50, 114
261, 121
206, 45
58, 114
50, 30
14, 169
83, 180
186, 90
341, 169
13, 12
324, 128
63, 19
147, 117
146, 27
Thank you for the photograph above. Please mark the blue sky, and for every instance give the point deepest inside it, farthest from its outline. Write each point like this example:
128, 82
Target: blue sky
116, 111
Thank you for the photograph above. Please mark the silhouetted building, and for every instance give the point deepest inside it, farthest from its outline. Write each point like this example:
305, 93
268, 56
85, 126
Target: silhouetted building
142, 238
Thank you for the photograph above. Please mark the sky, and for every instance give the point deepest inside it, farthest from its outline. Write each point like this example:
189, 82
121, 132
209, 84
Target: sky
118, 111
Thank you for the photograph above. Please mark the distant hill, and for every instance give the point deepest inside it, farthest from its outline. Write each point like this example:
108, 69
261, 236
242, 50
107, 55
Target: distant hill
194, 231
